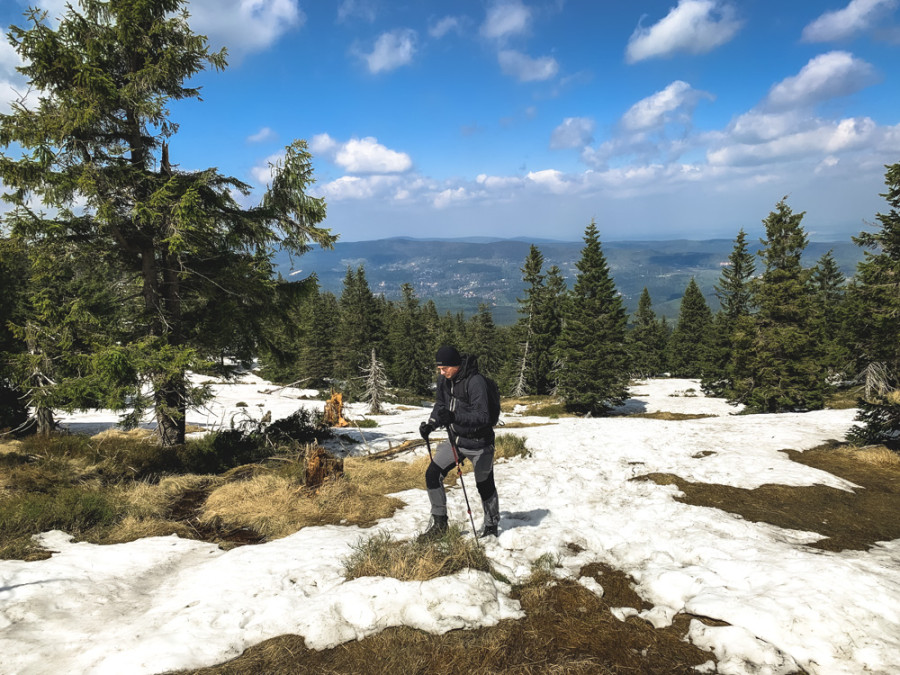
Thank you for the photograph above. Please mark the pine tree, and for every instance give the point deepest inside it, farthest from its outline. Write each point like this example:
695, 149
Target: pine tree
829, 286
359, 329
528, 306
100, 136
593, 374
735, 294
688, 348
646, 340
547, 330
412, 362
483, 341
875, 302
375, 384
784, 362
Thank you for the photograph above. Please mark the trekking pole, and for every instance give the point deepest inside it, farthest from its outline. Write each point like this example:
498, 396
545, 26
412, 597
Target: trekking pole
461, 482
428, 445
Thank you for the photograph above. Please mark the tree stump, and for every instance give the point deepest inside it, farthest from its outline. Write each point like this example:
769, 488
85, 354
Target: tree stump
320, 465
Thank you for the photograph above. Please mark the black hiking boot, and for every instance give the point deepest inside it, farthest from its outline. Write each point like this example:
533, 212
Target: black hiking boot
488, 531
437, 530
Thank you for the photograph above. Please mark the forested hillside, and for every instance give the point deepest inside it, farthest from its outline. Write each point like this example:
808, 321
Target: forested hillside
461, 274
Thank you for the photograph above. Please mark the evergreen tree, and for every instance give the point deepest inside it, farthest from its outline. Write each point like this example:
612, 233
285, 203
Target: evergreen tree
875, 302
375, 384
829, 286
483, 341
646, 340
412, 363
593, 374
547, 330
735, 294
784, 363
99, 135
688, 348
528, 306
359, 329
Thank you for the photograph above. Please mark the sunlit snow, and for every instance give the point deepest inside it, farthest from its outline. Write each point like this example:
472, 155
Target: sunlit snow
165, 603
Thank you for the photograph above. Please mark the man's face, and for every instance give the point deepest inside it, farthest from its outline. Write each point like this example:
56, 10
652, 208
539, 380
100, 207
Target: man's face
448, 371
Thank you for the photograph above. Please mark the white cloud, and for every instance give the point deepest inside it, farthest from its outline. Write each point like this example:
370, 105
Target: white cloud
654, 111
498, 183
361, 155
264, 134
841, 24
827, 138
392, 50
265, 171
244, 25
824, 77
526, 69
358, 187
450, 196
574, 132
356, 9
506, 18
551, 180
443, 26
322, 144
694, 26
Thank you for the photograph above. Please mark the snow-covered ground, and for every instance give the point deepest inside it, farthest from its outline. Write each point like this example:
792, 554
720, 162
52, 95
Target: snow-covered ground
164, 603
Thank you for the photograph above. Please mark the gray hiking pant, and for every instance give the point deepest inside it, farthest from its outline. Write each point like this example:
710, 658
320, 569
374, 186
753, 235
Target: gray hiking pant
483, 462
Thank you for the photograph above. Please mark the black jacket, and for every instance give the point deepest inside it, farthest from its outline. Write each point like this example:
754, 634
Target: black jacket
467, 397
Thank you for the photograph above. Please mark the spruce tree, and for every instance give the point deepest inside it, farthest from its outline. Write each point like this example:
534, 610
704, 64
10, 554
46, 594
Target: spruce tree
784, 362
547, 331
412, 362
95, 130
534, 279
359, 328
875, 302
688, 348
646, 340
483, 341
735, 293
829, 286
593, 374
375, 384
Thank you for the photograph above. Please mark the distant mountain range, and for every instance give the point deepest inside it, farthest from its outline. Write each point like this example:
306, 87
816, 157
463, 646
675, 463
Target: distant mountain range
459, 274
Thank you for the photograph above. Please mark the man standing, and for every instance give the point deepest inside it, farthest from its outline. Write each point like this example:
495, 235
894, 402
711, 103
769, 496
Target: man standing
462, 407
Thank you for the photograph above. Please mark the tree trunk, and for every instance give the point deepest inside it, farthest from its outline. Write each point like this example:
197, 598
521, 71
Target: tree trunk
44, 419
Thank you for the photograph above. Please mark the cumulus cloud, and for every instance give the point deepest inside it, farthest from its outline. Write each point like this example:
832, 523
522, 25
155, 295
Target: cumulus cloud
824, 77
245, 25
498, 183
450, 196
506, 18
440, 28
361, 155
841, 24
551, 180
654, 111
392, 50
574, 132
526, 69
265, 170
694, 26
359, 187
826, 138
264, 134
12, 84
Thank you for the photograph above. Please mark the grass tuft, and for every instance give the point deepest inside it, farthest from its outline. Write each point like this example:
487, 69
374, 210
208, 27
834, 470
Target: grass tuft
380, 555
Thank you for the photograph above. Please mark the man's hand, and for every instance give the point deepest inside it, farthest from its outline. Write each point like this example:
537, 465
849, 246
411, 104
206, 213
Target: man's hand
425, 430
445, 417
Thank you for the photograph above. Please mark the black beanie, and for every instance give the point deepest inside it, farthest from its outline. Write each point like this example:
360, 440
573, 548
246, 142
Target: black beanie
448, 356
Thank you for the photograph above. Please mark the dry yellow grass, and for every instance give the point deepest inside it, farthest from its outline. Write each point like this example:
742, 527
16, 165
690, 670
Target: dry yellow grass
413, 560
275, 506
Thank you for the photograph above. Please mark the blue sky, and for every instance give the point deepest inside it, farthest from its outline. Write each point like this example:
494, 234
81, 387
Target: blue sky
528, 118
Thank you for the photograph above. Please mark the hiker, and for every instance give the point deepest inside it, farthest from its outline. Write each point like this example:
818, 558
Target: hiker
461, 407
